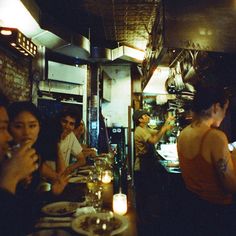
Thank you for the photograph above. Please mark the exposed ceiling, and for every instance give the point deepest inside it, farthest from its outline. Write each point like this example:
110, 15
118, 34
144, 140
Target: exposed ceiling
107, 23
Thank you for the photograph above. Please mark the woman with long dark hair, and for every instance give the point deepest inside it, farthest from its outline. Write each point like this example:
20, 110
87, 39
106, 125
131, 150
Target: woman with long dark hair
25, 126
208, 168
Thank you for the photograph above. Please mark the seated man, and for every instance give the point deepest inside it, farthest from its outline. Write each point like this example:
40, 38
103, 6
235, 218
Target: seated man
80, 133
67, 145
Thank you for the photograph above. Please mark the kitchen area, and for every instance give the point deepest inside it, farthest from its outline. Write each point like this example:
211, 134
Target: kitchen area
107, 59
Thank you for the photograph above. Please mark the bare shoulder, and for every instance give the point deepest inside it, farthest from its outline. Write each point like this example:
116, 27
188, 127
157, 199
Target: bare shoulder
218, 143
217, 136
185, 133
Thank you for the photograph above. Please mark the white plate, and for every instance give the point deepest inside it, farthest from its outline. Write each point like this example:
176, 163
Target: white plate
170, 156
61, 208
78, 179
79, 223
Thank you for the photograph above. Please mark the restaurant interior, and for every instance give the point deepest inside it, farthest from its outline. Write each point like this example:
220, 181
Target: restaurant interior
109, 58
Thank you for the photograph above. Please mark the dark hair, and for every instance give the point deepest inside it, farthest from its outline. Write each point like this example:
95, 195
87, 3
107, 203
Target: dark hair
72, 113
16, 108
3, 100
138, 114
206, 96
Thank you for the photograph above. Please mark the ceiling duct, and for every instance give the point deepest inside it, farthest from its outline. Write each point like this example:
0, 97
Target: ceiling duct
99, 54
78, 46
71, 44
128, 54
56, 38
62, 41
125, 53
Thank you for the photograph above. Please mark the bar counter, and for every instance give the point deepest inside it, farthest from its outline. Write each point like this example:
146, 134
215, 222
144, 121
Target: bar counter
75, 192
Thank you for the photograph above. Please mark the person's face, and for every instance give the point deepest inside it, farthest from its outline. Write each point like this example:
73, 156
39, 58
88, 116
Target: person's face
81, 127
68, 125
5, 137
25, 127
145, 119
221, 114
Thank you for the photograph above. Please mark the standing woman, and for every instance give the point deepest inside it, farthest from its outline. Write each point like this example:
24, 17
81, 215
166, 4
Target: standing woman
208, 168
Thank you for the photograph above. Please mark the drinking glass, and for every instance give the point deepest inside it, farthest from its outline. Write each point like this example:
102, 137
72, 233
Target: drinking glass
99, 166
94, 198
92, 179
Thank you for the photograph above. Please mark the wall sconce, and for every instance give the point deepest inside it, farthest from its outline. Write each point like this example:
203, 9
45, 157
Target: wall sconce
17, 40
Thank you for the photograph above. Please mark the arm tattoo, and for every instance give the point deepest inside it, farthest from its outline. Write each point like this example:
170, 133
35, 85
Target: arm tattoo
221, 166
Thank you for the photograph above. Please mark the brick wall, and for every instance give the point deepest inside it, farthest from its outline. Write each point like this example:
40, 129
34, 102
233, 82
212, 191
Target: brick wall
14, 76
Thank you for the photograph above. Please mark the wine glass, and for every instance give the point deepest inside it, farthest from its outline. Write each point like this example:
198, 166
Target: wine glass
94, 198
99, 166
92, 179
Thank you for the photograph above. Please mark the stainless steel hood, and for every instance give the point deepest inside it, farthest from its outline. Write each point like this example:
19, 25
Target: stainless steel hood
62, 40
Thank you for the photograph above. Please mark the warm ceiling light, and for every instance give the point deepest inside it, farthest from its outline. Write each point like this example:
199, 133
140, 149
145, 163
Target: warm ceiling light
6, 32
19, 41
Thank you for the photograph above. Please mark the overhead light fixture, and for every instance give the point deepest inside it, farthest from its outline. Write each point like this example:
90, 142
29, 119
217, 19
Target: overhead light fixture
178, 78
156, 84
18, 40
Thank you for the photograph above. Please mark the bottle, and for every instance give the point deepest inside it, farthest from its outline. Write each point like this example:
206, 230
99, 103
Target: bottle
116, 172
119, 172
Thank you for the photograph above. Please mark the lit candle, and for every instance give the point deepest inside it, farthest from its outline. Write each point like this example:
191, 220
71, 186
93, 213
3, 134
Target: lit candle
106, 176
120, 203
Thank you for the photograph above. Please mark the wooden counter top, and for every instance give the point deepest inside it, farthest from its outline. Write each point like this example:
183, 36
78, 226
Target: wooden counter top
76, 192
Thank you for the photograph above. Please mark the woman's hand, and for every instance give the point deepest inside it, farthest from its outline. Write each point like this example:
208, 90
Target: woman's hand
21, 165
59, 185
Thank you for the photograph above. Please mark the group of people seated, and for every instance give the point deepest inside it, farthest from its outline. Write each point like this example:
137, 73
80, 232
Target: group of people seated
32, 151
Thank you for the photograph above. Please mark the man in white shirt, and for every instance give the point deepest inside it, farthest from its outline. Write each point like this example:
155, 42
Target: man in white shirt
69, 144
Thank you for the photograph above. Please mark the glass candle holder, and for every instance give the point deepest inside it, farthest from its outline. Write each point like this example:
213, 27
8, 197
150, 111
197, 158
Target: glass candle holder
119, 203
106, 176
